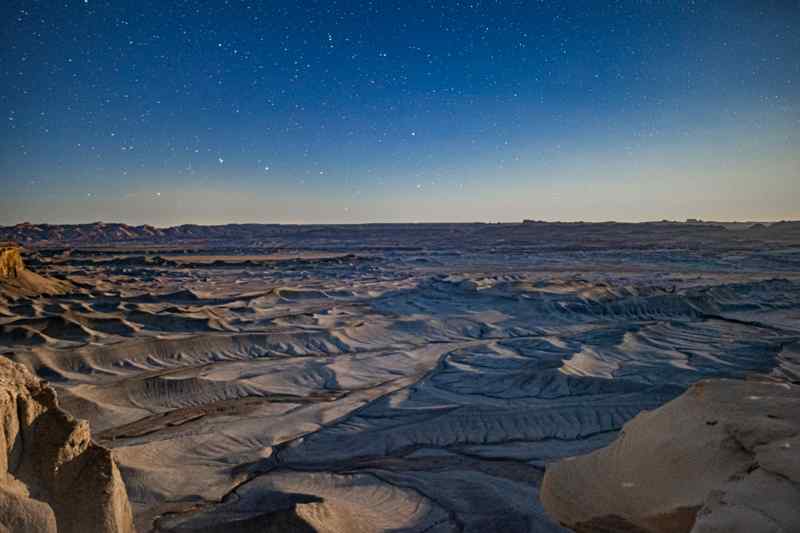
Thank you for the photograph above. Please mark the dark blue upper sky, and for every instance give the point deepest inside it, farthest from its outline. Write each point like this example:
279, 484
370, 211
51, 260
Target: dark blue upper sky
214, 111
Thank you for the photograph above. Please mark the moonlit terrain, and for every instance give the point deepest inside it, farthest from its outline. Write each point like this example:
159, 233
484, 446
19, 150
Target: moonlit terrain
388, 378
391, 266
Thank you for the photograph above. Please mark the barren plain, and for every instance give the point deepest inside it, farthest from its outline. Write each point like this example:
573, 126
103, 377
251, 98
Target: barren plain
385, 377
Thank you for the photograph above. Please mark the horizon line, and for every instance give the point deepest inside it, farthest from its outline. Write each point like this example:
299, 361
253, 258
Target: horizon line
443, 222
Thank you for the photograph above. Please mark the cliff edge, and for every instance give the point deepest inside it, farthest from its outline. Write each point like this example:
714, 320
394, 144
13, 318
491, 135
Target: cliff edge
17, 281
53, 478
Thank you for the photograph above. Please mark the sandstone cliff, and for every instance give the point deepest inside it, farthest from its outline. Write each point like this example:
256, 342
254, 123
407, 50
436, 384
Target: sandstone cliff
52, 476
10, 261
721, 457
17, 281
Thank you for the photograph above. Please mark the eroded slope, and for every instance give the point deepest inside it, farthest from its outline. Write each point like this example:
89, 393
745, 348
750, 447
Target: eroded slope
429, 389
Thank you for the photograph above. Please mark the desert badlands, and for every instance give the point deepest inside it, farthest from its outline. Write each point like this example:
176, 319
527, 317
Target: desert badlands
418, 377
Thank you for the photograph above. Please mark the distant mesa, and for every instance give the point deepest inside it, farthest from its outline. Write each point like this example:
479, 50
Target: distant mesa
721, 457
97, 234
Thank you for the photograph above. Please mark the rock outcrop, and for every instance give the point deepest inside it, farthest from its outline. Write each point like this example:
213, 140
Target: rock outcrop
17, 281
723, 457
52, 476
10, 261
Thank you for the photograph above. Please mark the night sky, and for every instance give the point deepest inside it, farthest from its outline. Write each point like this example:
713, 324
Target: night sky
169, 112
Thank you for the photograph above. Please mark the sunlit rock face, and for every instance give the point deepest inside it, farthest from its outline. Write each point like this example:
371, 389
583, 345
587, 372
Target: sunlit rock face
721, 457
17, 281
10, 261
54, 478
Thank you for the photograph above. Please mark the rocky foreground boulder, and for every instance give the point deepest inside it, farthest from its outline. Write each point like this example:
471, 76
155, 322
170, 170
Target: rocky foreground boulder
723, 457
53, 478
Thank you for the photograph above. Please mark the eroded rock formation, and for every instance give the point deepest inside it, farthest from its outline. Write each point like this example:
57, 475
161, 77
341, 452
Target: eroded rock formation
10, 260
52, 476
17, 281
721, 457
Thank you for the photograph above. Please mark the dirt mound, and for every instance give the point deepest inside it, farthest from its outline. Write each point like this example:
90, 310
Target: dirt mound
721, 457
54, 327
54, 478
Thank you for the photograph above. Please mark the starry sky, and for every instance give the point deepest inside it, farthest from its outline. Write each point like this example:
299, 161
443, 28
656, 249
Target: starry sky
169, 112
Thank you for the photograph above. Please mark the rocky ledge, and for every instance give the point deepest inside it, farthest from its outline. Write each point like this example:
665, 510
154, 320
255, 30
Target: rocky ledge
53, 478
10, 260
16, 281
724, 456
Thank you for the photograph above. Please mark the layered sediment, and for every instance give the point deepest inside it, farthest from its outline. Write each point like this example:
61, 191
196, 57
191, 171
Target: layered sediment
52, 476
17, 281
10, 261
389, 384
